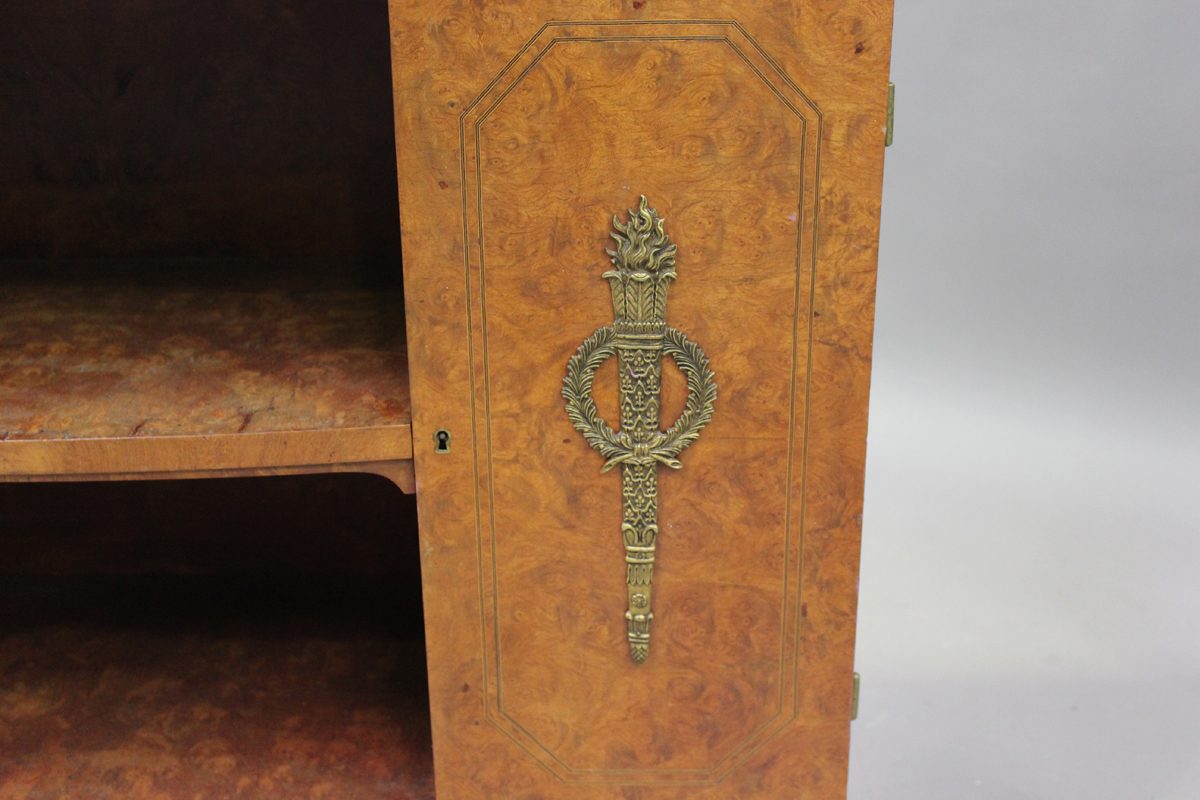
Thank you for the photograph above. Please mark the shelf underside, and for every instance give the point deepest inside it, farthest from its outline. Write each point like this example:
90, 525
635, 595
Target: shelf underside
272, 368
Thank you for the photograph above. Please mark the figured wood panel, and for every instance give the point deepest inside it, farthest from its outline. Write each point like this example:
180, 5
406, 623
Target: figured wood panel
757, 133
83, 362
135, 380
686, 112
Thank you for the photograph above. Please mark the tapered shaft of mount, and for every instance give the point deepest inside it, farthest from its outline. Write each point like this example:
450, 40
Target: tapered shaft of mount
640, 362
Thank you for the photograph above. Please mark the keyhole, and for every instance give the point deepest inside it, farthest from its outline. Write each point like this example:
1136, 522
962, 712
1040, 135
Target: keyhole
442, 437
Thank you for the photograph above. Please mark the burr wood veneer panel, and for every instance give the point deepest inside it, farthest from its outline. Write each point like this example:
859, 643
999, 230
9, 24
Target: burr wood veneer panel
666, 109
130, 380
757, 133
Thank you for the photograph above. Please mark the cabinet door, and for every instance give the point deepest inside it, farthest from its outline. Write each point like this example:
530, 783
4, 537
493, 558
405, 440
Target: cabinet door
640, 509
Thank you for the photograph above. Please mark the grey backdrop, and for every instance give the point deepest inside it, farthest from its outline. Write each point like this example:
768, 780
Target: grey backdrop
1031, 559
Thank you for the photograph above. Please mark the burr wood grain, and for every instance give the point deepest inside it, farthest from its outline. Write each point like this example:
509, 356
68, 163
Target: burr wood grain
757, 132
125, 380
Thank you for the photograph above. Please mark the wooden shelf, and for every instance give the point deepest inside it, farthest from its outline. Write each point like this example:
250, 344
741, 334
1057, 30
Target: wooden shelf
160, 686
121, 380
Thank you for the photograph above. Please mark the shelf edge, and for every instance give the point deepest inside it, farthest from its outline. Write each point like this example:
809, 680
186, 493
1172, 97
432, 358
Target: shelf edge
238, 451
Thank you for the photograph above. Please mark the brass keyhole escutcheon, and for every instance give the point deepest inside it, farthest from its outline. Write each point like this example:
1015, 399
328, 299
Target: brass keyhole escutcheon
442, 441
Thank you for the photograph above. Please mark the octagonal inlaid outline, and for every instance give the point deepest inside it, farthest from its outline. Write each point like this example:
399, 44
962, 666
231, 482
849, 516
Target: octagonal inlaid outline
470, 121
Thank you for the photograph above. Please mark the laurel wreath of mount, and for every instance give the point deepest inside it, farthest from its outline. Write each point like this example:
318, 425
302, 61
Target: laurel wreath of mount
616, 446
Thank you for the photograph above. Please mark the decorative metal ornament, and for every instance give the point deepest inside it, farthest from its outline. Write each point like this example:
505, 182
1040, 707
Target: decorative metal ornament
644, 264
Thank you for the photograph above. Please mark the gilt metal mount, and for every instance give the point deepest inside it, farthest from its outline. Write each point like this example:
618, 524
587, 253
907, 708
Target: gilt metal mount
644, 266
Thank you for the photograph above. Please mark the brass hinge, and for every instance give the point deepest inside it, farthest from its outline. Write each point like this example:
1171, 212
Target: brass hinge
887, 139
854, 699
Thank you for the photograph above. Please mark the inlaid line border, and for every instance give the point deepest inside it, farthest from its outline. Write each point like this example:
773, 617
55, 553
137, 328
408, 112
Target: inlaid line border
734, 754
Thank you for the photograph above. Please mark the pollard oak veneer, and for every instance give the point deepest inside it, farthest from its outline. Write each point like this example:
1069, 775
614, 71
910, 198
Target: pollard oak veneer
756, 131
185, 687
128, 382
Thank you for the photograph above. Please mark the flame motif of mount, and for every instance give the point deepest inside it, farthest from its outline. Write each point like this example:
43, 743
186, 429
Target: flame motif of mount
644, 266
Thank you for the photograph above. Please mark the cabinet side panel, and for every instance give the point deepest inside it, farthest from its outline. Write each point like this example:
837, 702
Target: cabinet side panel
757, 132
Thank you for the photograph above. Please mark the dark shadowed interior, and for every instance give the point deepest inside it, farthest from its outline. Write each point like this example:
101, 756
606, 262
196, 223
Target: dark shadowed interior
234, 129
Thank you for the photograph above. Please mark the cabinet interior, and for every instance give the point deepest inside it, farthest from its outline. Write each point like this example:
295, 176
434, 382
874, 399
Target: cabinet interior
207, 346
220, 638
199, 224
199, 235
